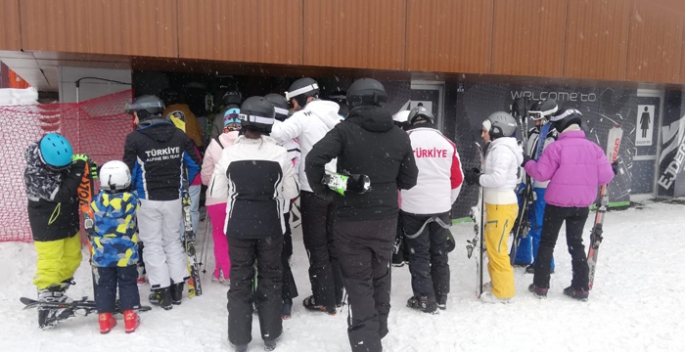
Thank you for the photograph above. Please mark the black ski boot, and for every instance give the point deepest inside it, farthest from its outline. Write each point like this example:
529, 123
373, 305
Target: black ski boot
240, 348
161, 297
50, 317
286, 313
442, 301
539, 292
580, 295
310, 304
176, 293
270, 344
422, 304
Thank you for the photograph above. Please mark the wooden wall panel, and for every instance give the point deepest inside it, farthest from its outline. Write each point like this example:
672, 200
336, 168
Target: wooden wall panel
133, 27
529, 37
355, 33
597, 39
654, 51
54, 25
449, 35
682, 59
9, 25
268, 31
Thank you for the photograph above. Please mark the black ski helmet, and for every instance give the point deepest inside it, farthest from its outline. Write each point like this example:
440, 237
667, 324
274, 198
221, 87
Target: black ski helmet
502, 124
543, 109
146, 106
232, 98
366, 91
340, 97
420, 113
566, 117
280, 105
302, 89
169, 96
257, 113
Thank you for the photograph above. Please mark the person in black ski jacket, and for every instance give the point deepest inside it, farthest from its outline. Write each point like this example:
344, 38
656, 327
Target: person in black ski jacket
367, 143
157, 152
255, 176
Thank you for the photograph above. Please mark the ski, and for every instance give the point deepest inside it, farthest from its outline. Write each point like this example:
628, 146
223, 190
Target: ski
477, 214
194, 284
522, 223
343, 182
613, 145
60, 311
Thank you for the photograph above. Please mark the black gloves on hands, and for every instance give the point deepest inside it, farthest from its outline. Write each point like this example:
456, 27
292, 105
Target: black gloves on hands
526, 159
614, 167
473, 176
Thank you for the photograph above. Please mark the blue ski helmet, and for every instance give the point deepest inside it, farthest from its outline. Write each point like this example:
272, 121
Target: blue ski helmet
232, 120
55, 150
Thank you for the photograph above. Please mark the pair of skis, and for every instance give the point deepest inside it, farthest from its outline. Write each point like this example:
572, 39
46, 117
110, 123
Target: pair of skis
613, 146
194, 283
478, 241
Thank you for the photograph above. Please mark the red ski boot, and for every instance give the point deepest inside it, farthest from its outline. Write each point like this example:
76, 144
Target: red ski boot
131, 321
107, 322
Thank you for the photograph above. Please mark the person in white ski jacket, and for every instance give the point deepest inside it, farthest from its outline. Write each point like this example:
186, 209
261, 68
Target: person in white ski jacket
256, 177
425, 210
312, 120
499, 180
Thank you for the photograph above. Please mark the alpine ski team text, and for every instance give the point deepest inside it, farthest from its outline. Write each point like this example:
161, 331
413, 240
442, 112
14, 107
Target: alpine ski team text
161, 152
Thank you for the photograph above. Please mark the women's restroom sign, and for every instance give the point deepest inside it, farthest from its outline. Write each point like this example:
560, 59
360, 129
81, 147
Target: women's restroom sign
645, 125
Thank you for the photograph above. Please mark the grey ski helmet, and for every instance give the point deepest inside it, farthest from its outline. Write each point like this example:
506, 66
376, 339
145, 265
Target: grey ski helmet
146, 106
280, 105
302, 89
366, 91
502, 125
543, 109
232, 98
257, 113
566, 117
420, 113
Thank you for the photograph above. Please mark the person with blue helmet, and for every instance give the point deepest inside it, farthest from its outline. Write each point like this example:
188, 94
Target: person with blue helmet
52, 177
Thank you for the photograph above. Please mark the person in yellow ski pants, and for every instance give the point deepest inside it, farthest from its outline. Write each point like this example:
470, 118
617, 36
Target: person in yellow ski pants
499, 179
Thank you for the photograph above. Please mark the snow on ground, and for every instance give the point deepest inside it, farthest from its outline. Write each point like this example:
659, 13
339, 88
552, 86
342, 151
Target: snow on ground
637, 305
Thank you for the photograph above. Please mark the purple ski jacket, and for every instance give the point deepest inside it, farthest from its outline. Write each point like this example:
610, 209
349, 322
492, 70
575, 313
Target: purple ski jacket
575, 168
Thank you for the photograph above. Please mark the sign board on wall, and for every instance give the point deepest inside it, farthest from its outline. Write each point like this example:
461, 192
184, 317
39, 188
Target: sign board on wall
644, 125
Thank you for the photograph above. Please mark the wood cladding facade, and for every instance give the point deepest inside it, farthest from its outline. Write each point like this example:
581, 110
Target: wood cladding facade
355, 33
610, 40
10, 34
268, 31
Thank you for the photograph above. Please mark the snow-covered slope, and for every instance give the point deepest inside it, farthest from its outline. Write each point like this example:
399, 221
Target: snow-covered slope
637, 305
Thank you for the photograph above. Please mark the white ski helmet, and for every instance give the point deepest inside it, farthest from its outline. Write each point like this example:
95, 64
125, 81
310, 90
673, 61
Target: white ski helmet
502, 125
115, 176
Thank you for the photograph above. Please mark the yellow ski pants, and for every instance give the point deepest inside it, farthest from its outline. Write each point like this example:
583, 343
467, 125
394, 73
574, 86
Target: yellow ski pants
499, 222
57, 261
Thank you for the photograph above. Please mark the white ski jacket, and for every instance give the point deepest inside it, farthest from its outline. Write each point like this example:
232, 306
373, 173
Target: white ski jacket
532, 148
295, 155
308, 125
256, 177
439, 171
500, 174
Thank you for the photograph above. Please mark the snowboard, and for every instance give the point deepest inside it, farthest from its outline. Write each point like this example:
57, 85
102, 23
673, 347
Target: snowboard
613, 146
341, 183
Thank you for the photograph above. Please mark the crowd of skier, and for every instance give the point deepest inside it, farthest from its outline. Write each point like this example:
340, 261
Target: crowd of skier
266, 152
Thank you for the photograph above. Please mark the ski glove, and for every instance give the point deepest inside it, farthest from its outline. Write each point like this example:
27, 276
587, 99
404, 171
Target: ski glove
526, 159
614, 167
81, 160
473, 176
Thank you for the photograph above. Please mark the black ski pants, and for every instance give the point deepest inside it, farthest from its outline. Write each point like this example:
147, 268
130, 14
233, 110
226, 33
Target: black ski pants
428, 263
243, 254
289, 288
365, 249
575, 221
108, 279
318, 223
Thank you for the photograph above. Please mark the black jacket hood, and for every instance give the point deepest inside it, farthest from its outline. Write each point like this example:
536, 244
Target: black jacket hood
371, 118
158, 129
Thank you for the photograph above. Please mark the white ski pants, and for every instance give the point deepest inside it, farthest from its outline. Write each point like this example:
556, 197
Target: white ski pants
163, 252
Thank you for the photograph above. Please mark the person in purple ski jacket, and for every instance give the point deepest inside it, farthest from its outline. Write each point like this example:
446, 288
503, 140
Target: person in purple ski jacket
575, 167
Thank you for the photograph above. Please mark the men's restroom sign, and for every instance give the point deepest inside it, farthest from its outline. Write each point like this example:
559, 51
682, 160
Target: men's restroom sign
644, 126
